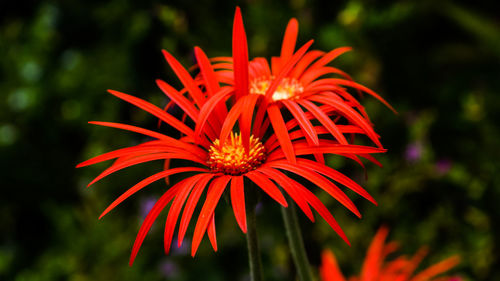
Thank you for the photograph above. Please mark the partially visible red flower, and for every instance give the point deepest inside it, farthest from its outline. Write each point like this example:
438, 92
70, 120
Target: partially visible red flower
294, 82
375, 268
214, 166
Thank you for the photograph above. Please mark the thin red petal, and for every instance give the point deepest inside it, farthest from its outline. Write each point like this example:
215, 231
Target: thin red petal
328, 57
238, 202
352, 115
206, 212
281, 132
304, 62
145, 182
240, 56
211, 233
287, 184
185, 78
179, 99
336, 176
362, 88
322, 210
154, 110
267, 186
210, 79
324, 120
143, 159
123, 152
150, 218
175, 210
208, 108
289, 40
304, 123
320, 181
191, 205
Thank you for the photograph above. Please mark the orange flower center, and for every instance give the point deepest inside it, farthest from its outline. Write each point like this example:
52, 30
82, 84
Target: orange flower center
287, 89
232, 159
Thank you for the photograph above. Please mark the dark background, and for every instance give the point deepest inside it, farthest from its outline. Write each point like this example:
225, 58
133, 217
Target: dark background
436, 62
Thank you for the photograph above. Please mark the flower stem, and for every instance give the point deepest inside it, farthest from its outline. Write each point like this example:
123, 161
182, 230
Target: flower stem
252, 239
296, 242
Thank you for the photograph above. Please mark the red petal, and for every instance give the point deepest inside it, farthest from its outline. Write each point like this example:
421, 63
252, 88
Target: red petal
123, 152
352, 115
322, 210
314, 73
437, 268
191, 205
281, 132
145, 182
240, 56
207, 109
245, 121
210, 79
261, 67
168, 140
150, 218
302, 148
267, 186
185, 78
362, 88
238, 202
206, 71
179, 99
154, 110
211, 233
303, 63
175, 210
373, 261
328, 57
287, 68
329, 270
324, 120
304, 123
336, 176
320, 181
289, 40
208, 208
287, 184
143, 159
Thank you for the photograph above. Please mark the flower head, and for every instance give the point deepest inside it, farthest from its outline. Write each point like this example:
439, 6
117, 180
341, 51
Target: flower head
299, 82
218, 158
375, 268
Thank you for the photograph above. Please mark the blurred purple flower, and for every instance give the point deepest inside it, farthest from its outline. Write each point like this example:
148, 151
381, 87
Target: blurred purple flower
183, 249
443, 166
168, 268
413, 152
146, 205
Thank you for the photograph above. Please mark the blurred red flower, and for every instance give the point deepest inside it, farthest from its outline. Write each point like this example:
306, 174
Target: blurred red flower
375, 268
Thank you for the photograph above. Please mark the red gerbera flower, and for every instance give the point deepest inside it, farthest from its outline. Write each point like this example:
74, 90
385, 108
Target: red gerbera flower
218, 165
295, 81
376, 269
222, 158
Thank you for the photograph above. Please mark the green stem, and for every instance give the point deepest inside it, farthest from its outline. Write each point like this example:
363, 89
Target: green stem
296, 242
252, 239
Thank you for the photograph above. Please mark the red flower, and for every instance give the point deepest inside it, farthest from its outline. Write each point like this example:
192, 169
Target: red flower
220, 159
375, 269
295, 81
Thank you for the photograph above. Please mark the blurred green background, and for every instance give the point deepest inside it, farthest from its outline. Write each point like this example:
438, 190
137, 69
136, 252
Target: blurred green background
437, 62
